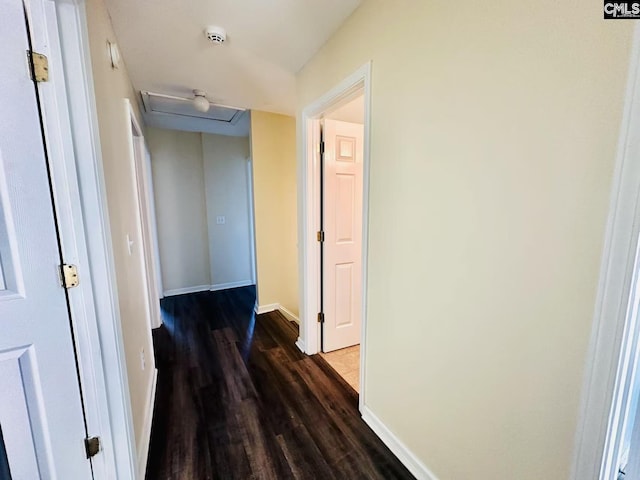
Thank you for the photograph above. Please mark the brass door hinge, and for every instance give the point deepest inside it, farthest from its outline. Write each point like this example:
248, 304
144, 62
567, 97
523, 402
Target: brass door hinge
70, 277
92, 446
320, 317
39, 66
320, 236
321, 148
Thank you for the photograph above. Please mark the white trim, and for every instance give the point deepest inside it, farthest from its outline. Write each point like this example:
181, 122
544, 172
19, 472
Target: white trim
272, 307
226, 286
288, 314
145, 441
94, 303
308, 210
612, 334
182, 291
144, 223
252, 216
399, 449
204, 288
260, 309
154, 223
300, 345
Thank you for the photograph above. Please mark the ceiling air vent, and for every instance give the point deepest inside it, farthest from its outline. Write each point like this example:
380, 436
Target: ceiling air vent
158, 103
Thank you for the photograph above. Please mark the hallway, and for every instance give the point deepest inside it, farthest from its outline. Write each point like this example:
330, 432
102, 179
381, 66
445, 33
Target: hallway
237, 400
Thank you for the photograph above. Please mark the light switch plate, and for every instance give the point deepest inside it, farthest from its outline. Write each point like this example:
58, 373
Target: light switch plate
129, 245
220, 220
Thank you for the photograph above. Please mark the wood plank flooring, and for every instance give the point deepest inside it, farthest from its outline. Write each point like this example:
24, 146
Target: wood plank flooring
237, 400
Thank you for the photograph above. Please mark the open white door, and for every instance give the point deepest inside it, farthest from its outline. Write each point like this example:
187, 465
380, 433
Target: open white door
41, 415
342, 226
147, 218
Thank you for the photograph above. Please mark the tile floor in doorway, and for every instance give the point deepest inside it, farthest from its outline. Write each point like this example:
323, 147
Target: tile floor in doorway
347, 363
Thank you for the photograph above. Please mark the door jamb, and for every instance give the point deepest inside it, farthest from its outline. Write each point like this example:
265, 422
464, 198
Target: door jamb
145, 222
154, 223
252, 228
73, 139
308, 210
608, 370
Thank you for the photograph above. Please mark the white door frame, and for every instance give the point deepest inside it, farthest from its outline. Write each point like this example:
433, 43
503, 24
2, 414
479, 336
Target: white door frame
309, 209
145, 221
73, 143
613, 341
252, 223
154, 223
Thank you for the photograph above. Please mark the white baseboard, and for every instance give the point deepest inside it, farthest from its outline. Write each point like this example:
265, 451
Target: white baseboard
399, 449
145, 440
300, 344
225, 286
204, 288
182, 291
287, 313
260, 309
157, 322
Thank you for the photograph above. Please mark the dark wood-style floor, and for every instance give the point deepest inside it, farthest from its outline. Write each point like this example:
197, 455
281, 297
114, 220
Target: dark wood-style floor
237, 400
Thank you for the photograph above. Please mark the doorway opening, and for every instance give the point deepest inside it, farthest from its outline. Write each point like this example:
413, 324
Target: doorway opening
608, 434
342, 134
335, 171
147, 220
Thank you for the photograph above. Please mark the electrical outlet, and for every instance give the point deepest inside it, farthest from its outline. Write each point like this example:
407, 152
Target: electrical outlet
220, 220
143, 361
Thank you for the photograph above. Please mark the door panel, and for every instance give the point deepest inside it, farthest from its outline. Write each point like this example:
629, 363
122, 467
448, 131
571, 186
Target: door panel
345, 200
40, 405
342, 225
344, 290
17, 401
4, 463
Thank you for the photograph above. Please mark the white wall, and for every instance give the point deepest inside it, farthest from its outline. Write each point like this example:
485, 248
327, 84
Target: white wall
226, 173
111, 87
493, 142
179, 190
196, 178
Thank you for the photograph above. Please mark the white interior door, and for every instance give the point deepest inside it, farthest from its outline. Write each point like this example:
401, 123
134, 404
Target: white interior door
40, 406
153, 225
342, 225
146, 208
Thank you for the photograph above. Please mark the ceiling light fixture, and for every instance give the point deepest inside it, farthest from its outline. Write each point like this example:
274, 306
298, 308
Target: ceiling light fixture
200, 101
146, 95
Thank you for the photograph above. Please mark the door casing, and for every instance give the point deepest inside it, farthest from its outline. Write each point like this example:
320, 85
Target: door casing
358, 83
59, 30
608, 373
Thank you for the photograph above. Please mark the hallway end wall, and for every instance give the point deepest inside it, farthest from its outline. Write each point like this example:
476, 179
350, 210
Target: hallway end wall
273, 152
181, 214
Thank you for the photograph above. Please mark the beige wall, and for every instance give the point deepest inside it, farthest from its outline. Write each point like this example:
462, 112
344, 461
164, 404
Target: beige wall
179, 189
273, 140
226, 176
111, 89
494, 131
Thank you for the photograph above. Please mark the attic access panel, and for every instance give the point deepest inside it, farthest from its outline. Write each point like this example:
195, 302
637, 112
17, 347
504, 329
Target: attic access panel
170, 105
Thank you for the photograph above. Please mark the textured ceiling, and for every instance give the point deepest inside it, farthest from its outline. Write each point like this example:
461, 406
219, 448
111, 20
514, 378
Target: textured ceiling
165, 50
